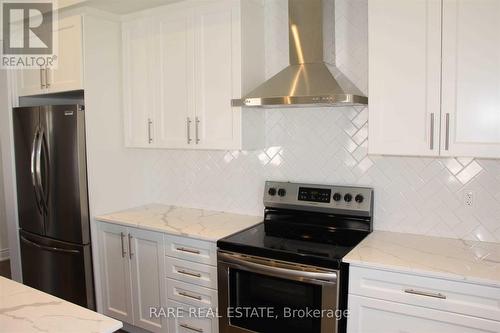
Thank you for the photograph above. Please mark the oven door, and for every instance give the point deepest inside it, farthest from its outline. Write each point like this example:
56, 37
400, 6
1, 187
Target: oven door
263, 295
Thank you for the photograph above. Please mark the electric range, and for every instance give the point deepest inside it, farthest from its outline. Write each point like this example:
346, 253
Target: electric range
293, 260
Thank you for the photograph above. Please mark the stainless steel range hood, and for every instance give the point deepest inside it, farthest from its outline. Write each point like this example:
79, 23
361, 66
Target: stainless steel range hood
310, 79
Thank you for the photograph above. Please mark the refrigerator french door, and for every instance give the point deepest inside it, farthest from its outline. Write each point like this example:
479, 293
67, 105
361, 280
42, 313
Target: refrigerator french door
53, 201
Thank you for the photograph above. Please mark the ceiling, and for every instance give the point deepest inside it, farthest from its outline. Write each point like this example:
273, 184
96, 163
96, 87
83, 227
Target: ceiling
121, 7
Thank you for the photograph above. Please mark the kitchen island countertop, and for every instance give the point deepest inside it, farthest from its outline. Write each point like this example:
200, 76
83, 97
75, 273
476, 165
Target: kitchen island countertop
25, 310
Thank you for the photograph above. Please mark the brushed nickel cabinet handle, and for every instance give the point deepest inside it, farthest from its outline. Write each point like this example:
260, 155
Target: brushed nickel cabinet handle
150, 137
197, 130
432, 132
198, 275
47, 78
183, 249
424, 293
124, 253
196, 297
447, 139
191, 328
188, 124
130, 246
42, 78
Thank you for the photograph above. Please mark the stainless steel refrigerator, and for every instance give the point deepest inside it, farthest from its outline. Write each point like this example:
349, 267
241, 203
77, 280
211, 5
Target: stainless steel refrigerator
52, 200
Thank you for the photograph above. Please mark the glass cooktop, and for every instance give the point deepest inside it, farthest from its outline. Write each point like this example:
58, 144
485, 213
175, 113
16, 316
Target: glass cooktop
256, 241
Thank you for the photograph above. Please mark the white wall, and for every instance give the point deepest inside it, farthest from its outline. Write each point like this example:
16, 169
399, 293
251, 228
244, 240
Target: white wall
8, 175
329, 145
4, 244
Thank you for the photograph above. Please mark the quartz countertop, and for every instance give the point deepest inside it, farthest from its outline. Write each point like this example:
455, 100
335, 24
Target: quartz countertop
25, 310
471, 261
188, 222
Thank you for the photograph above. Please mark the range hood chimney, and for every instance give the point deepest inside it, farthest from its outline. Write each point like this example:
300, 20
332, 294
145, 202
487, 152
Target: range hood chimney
310, 79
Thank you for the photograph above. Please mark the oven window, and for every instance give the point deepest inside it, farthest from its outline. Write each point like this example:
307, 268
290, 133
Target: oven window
255, 291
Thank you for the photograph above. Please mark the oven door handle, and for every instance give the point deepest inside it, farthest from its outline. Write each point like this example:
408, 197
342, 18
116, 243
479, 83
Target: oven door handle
248, 263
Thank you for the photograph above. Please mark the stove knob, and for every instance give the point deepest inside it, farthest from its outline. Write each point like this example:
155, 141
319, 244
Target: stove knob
281, 192
337, 197
359, 198
271, 191
347, 197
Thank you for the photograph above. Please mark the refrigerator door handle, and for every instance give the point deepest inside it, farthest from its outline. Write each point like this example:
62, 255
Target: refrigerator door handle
38, 168
33, 170
48, 248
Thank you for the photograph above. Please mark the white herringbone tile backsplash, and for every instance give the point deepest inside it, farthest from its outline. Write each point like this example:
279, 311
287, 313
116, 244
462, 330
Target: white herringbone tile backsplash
329, 145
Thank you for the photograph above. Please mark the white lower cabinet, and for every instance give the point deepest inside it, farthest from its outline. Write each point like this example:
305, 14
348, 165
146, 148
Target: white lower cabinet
370, 315
115, 272
141, 269
132, 275
185, 322
191, 284
383, 301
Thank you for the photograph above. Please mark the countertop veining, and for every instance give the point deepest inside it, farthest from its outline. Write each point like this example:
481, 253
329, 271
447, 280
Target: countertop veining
470, 261
25, 310
189, 222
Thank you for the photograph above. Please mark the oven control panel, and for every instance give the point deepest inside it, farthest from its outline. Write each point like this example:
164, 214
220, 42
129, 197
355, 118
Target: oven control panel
327, 198
312, 194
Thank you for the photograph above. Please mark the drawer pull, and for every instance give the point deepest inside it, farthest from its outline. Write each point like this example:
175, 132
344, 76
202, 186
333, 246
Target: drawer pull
425, 293
198, 275
190, 296
191, 328
183, 249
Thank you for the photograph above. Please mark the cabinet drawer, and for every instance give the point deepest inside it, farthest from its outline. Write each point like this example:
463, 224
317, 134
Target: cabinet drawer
185, 322
368, 315
186, 271
460, 297
191, 249
191, 294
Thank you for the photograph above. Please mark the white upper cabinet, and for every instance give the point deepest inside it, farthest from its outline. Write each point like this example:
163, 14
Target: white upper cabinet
434, 77
198, 68
215, 121
404, 65
69, 73
471, 78
138, 85
174, 74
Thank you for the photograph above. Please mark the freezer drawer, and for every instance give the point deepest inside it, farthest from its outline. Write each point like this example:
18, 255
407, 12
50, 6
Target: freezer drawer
58, 268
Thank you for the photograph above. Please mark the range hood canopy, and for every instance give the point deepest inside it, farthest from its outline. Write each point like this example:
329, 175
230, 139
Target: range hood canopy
310, 79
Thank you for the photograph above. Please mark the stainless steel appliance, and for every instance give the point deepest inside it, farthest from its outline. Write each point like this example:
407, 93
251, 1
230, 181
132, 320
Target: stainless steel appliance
312, 77
286, 274
53, 201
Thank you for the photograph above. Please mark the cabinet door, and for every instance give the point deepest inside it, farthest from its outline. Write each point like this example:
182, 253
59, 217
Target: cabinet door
147, 268
138, 82
217, 44
404, 78
29, 81
175, 111
471, 78
369, 315
68, 75
115, 272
